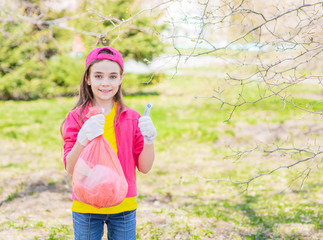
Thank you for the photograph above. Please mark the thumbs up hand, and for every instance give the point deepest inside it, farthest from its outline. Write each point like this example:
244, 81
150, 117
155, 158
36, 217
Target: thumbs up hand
147, 129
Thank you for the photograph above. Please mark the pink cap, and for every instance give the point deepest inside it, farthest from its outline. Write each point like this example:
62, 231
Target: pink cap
95, 54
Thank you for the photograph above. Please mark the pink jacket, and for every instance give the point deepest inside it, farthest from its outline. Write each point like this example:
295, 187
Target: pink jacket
130, 141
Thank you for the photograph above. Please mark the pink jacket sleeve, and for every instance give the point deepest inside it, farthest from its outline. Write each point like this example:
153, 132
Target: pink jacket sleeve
70, 131
138, 143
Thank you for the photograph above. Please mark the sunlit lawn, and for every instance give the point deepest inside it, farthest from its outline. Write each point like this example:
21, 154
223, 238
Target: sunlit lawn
181, 197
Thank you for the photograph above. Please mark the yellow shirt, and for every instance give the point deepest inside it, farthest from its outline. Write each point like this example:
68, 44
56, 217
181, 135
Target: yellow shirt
127, 204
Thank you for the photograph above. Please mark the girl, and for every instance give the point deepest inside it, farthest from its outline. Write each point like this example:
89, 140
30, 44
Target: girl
130, 135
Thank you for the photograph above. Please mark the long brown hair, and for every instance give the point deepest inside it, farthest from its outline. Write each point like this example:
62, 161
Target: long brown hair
86, 95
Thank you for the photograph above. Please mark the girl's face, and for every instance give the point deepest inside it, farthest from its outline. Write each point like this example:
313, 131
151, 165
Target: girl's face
105, 79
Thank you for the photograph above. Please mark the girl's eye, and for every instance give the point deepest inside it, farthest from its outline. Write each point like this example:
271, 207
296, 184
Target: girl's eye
113, 77
98, 76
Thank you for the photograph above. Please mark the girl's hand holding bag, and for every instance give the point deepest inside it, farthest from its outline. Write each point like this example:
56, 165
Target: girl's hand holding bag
98, 178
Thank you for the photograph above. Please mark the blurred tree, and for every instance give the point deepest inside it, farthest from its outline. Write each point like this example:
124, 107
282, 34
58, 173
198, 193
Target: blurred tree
37, 42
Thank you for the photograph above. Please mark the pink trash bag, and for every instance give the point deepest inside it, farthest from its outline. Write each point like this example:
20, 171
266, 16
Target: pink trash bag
98, 178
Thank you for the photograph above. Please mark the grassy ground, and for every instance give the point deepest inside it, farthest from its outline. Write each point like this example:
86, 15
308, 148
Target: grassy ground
180, 198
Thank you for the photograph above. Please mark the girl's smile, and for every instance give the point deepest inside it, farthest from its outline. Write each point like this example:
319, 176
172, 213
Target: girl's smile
105, 91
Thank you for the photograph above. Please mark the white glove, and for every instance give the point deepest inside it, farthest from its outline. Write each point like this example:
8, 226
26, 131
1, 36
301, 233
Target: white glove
147, 129
92, 128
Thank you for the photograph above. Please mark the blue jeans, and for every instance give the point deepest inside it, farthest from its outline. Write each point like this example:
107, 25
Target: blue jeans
89, 226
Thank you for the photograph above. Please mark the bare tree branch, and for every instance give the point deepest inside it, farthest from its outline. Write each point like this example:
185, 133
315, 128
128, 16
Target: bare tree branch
62, 22
239, 154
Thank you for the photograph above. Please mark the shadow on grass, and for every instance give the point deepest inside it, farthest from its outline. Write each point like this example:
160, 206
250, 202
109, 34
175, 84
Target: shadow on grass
29, 189
243, 214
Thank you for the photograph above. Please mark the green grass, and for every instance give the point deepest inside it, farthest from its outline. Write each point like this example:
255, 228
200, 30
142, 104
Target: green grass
61, 232
194, 138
